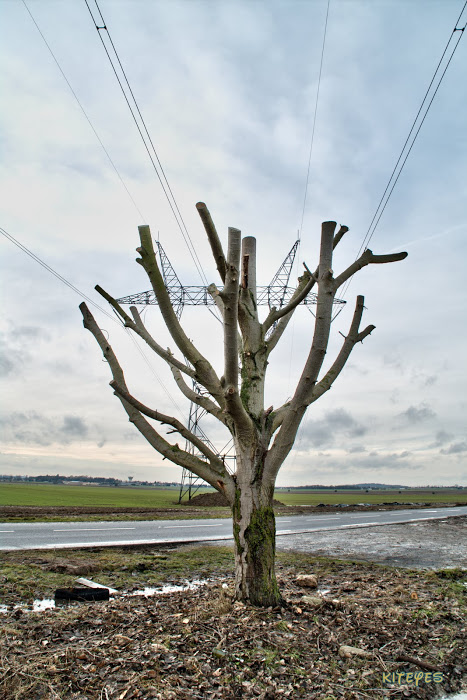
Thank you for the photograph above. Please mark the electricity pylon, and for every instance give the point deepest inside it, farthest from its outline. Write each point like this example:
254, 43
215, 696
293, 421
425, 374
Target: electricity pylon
276, 294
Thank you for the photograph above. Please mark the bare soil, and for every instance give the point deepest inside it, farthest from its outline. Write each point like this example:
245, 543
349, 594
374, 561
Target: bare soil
425, 544
202, 644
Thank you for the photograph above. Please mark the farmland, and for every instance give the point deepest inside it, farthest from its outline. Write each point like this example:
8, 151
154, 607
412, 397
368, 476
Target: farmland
32, 494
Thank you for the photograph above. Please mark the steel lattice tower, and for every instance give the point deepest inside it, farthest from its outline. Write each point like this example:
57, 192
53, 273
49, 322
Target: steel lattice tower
276, 294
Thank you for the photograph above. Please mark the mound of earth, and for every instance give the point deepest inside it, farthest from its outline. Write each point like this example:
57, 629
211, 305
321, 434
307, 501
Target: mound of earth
215, 500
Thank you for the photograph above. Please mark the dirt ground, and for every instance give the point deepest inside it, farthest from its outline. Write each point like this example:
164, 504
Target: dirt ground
366, 631
197, 509
426, 544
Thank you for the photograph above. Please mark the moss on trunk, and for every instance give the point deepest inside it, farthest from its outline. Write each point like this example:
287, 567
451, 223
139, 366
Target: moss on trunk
255, 550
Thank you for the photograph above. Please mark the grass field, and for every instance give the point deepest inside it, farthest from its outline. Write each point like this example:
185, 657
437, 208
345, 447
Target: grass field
30, 494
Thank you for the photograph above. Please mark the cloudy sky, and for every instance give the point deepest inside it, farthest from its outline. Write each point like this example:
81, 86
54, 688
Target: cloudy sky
228, 92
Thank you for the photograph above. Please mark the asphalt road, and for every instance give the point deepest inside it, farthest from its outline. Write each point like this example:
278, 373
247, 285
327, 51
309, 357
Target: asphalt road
51, 535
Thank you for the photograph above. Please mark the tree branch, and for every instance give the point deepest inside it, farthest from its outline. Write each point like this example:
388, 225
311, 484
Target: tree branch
196, 398
220, 481
138, 327
216, 297
285, 438
214, 240
350, 341
205, 374
306, 283
339, 236
284, 321
166, 354
169, 420
366, 258
230, 296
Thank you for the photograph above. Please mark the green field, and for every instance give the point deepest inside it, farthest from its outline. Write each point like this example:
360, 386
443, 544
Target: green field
30, 494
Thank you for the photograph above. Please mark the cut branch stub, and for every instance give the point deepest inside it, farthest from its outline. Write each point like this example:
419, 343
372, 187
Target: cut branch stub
249, 265
216, 245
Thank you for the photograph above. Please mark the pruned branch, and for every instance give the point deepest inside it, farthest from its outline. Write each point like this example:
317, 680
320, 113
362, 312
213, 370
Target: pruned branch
205, 373
366, 258
196, 398
216, 297
278, 416
305, 285
214, 240
230, 296
89, 322
139, 328
339, 236
292, 417
169, 420
353, 337
298, 296
220, 481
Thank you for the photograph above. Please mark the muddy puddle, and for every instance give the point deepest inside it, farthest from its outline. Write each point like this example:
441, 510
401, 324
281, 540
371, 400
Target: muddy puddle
147, 592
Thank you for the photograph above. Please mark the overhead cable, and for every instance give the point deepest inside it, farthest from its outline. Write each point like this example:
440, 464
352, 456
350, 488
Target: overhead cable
145, 137
84, 112
56, 274
412, 137
71, 286
314, 121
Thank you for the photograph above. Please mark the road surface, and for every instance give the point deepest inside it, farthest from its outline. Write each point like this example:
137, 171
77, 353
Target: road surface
54, 535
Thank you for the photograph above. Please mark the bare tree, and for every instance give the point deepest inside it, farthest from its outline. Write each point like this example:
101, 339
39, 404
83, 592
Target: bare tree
263, 437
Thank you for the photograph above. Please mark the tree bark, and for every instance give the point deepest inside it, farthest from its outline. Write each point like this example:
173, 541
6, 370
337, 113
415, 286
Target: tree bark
254, 528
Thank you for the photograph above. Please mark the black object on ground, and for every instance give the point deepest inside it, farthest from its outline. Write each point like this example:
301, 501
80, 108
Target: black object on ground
82, 594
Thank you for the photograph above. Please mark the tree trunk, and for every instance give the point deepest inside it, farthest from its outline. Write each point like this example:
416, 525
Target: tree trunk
254, 527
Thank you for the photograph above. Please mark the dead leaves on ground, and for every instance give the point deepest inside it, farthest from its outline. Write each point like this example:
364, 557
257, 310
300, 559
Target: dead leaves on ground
202, 644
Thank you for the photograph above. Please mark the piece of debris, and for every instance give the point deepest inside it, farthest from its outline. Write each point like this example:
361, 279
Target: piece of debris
82, 594
314, 600
92, 584
307, 580
347, 652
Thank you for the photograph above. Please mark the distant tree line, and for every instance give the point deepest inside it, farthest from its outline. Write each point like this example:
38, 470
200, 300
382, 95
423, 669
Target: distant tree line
99, 480
344, 487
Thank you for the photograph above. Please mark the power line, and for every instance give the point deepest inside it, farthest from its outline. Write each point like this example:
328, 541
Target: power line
84, 112
314, 121
51, 270
394, 178
56, 274
165, 187
71, 286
